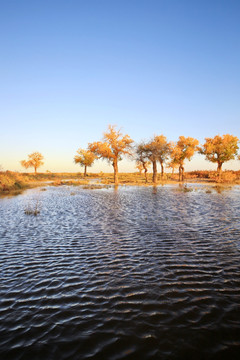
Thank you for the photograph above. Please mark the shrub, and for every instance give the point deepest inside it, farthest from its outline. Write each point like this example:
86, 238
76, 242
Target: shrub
228, 176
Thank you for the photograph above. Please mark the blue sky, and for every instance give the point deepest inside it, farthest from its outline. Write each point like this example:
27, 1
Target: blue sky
70, 68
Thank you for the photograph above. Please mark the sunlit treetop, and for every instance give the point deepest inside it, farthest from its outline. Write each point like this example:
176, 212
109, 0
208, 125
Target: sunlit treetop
183, 149
84, 157
158, 148
220, 148
113, 146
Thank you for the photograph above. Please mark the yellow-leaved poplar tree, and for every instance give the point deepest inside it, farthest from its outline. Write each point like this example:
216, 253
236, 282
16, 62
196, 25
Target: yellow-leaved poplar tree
158, 149
113, 146
84, 158
183, 150
34, 160
220, 149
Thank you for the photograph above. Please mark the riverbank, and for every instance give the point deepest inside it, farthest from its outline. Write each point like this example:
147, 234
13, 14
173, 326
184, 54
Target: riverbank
13, 183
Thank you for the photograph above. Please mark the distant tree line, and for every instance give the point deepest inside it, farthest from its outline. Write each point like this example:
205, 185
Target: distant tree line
114, 145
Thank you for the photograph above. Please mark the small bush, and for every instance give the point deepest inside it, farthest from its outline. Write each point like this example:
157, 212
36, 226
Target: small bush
228, 176
31, 212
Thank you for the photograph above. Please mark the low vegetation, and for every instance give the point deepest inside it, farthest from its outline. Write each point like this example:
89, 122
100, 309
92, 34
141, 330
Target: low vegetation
15, 183
34, 211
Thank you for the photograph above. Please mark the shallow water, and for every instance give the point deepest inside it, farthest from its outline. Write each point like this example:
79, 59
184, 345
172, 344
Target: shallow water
133, 273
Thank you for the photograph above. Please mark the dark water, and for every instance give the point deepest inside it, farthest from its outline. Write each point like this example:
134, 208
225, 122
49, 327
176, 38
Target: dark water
135, 273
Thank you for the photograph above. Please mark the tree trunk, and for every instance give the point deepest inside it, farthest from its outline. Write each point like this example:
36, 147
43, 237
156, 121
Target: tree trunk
219, 170
162, 170
154, 163
181, 173
145, 172
85, 170
115, 168
35, 169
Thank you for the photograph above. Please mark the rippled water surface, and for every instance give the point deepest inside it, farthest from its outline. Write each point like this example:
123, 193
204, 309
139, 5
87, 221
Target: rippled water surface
133, 273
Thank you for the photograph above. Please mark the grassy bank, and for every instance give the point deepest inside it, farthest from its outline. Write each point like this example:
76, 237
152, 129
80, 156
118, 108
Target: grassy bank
15, 183
11, 182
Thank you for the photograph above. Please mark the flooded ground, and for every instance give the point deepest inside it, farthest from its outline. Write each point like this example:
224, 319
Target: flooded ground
127, 273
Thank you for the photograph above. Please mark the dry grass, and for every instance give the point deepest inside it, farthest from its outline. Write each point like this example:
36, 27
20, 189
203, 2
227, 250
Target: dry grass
94, 187
228, 176
132, 179
33, 208
33, 212
14, 183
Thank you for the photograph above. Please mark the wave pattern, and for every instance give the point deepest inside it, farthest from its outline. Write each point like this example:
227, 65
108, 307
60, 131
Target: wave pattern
133, 273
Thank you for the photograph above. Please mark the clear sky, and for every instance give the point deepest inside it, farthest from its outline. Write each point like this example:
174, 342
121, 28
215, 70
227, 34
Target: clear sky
69, 68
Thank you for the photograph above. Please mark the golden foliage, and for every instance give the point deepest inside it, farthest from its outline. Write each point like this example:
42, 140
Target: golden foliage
183, 149
158, 148
220, 148
25, 164
84, 157
172, 165
113, 146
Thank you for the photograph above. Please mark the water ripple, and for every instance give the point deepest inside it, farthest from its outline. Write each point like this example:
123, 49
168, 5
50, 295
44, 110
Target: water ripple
133, 273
